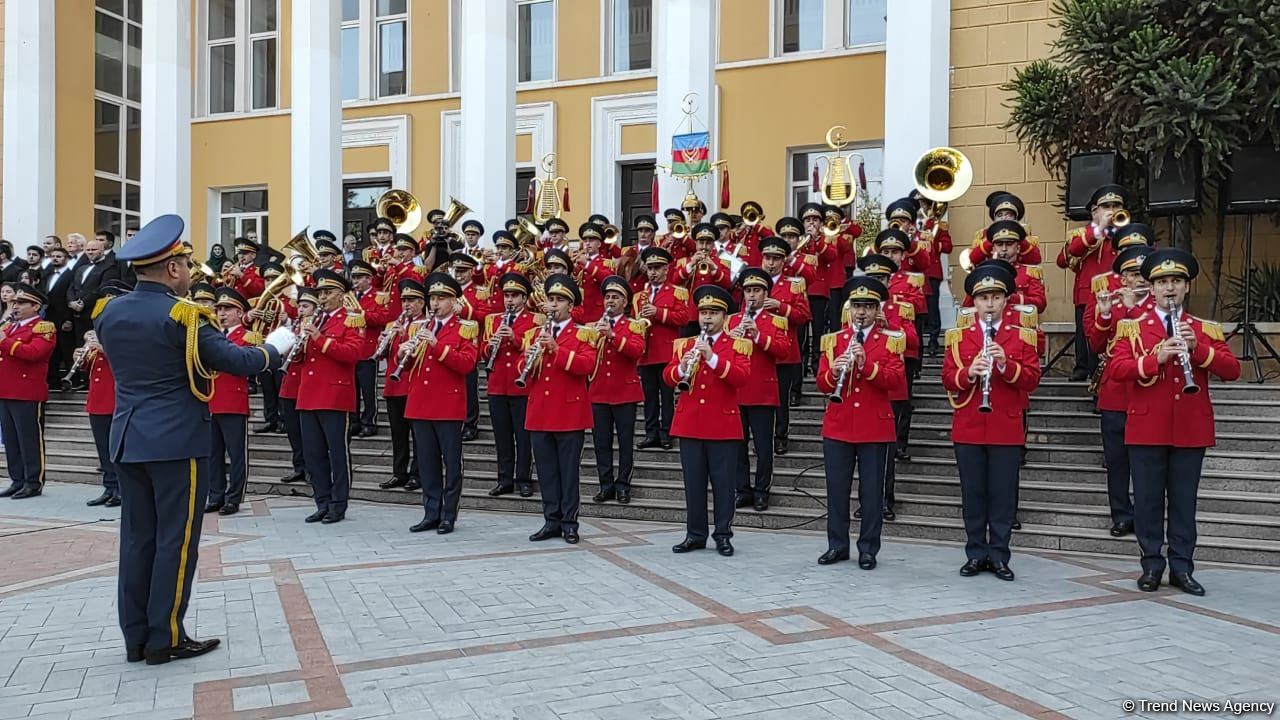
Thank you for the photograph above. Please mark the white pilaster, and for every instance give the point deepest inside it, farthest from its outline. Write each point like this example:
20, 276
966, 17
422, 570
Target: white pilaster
28, 121
917, 61
488, 84
166, 109
315, 119
684, 35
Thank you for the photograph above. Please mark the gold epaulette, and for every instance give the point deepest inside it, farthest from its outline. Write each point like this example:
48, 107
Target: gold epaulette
743, 346
681, 293
587, 334
1100, 283
1034, 271
1128, 328
489, 321
965, 318
382, 298
1028, 316
539, 319
528, 337
639, 327
944, 226
954, 335
1077, 233
977, 238
468, 329
846, 312
797, 286
188, 314
811, 260
354, 320
44, 327
681, 346
779, 322
1212, 330
253, 338
99, 306
1029, 336
896, 341
915, 279
906, 311
482, 293
829, 344
611, 263
1033, 241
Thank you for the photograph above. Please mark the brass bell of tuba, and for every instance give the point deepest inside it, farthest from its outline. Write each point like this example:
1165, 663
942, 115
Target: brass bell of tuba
838, 182
401, 208
305, 257
943, 174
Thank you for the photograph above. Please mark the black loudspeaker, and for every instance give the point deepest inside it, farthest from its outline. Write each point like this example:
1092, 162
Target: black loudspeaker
1176, 190
1253, 185
1087, 172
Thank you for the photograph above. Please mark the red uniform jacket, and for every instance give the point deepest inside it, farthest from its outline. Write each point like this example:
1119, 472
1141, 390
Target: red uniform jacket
1088, 253
615, 380
825, 256
793, 304
980, 249
866, 415
1160, 413
718, 274
836, 269
378, 314
397, 388
909, 287
438, 382
1029, 290
502, 379
771, 346
101, 399
24, 360
919, 259
709, 409
672, 303
558, 399
395, 273
803, 266
679, 249
475, 302
593, 273
749, 237
1009, 389
250, 284
329, 365
231, 392
940, 245
901, 316
292, 381
1113, 394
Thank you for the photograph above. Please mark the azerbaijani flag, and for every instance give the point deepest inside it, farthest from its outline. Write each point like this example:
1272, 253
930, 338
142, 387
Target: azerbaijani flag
691, 154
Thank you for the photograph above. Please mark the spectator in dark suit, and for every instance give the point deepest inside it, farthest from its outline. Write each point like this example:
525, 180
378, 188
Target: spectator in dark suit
97, 267
55, 284
75, 251
10, 266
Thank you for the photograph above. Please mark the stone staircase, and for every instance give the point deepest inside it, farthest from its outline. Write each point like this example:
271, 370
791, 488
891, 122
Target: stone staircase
1062, 495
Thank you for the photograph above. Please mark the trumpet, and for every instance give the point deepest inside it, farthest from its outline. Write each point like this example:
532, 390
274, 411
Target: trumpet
1119, 219
689, 366
83, 355
532, 355
837, 394
507, 319
751, 213
1189, 385
678, 230
230, 275
384, 342
299, 344
988, 338
410, 348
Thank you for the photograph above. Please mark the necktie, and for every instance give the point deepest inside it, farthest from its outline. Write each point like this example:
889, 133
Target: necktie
613, 322
861, 336
555, 332
991, 331
653, 294
439, 327
1168, 325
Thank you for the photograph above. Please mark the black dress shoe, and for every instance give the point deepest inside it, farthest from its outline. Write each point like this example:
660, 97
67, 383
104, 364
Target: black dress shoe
332, 517
831, 557
1001, 571
26, 492
446, 527
135, 653
212, 507
546, 533
1149, 582
604, 495
229, 509
353, 431
394, 482
902, 455
866, 561
100, 500
1017, 524
857, 514
724, 547
186, 649
889, 514
571, 536
665, 443
368, 432
762, 504
794, 401
781, 446
470, 434
113, 501
1187, 584
1121, 529
687, 545
743, 501
292, 477
645, 444
317, 516
973, 567
10, 490
1079, 375
624, 495
499, 490
425, 525
267, 428
412, 485
526, 489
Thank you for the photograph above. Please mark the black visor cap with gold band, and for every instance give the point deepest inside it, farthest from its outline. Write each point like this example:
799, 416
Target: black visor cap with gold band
407, 242
1006, 231
503, 238
557, 255
877, 264
557, 225
203, 291
1107, 194
705, 232
360, 267
229, 297
27, 293
439, 283
755, 277
1130, 259
157, 241
713, 297
646, 222
561, 285
591, 231
1133, 234
902, 209
865, 289
516, 283
654, 255
618, 284
891, 239
411, 289
1001, 200
991, 275
329, 280
774, 246
1170, 262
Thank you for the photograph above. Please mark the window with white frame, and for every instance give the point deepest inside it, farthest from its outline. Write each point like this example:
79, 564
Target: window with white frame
800, 177
375, 49
242, 55
535, 32
632, 35
813, 25
865, 22
117, 114
241, 213
802, 25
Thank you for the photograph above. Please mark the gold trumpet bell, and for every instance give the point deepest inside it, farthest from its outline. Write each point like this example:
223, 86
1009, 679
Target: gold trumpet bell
612, 234
943, 174
401, 208
751, 213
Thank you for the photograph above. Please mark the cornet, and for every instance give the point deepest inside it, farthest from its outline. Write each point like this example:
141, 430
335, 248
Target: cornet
689, 365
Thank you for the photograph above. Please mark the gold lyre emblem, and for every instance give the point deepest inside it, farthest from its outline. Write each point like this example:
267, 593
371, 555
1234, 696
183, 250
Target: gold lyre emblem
548, 191
838, 182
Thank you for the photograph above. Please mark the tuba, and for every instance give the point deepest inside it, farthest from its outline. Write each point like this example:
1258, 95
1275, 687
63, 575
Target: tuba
942, 175
547, 190
838, 183
401, 208
201, 272
304, 256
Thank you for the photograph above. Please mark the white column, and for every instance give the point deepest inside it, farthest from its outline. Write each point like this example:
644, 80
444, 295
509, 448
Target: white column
918, 58
684, 32
28, 122
488, 84
166, 110
315, 118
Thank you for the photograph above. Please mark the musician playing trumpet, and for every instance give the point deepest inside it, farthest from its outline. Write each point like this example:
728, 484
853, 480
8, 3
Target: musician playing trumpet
615, 389
508, 402
1161, 354
395, 390
244, 276
861, 366
1088, 254
704, 267
990, 366
26, 344
100, 401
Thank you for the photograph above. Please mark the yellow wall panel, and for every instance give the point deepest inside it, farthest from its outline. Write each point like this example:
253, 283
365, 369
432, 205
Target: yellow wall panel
639, 139
285, 24
577, 39
238, 153
424, 133
74, 157
744, 29
369, 159
429, 31
524, 148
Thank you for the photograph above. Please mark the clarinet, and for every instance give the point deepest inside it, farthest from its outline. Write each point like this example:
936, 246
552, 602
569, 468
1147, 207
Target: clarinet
384, 343
299, 341
691, 368
507, 320
1189, 385
985, 405
412, 345
837, 394
90, 343
532, 356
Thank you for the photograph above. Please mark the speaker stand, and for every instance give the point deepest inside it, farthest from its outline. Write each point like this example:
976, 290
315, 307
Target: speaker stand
1251, 338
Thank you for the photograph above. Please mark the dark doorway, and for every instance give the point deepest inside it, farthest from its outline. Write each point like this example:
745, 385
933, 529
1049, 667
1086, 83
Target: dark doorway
636, 196
360, 198
524, 177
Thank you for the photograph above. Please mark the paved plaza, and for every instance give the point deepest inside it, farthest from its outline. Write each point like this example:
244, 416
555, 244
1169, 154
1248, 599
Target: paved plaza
364, 620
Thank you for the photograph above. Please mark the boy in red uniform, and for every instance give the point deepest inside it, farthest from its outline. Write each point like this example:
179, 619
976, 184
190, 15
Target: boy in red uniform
395, 392
508, 402
787, 299
758, 397
26, 344
666, 307
615, 389
559, 411
442, 351
989, 368
708, 370
229, 411
861, 367
100, 401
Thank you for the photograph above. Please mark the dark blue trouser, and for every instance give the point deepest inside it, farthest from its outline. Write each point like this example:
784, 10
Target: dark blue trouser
933, 322
757, 427
228, 454
403, 447
1086, 359
1117, 455
988, 496
439, 448
515, 455
812, 347
101, 427
270, 383
1165, 477
160, 511
366, 416
608, 420
558, 456
22, 427
708, 462
293, 430
840, 458
473, 401
326, 453
789, 378
659, 403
